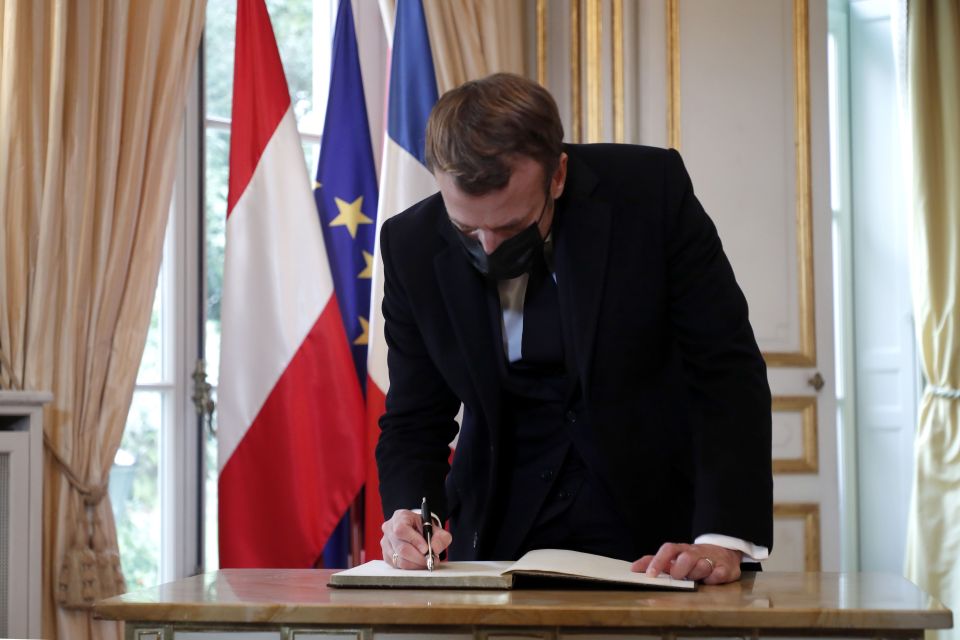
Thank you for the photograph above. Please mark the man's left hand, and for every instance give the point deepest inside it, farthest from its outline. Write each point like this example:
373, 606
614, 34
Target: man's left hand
706, 562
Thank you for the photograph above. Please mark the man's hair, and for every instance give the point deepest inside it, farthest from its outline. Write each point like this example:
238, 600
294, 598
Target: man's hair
478, 128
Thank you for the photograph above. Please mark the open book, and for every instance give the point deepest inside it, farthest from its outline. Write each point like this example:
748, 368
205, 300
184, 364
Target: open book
541, 563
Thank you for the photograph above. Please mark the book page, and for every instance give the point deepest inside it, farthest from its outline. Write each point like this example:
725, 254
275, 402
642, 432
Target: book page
464, 575
587, 565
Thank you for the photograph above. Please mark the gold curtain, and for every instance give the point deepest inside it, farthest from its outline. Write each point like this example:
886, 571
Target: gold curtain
474, 38
933, 534
91, 106
470, 39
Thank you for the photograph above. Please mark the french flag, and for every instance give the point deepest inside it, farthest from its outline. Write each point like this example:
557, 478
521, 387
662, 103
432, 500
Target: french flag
404, 181
290, 410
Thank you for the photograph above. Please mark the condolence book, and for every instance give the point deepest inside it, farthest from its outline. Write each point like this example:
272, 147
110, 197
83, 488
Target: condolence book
540, 564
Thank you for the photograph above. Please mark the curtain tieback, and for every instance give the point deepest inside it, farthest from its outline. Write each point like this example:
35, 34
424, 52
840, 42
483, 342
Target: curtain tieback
92, 494
90, 567
944, 392
6, 366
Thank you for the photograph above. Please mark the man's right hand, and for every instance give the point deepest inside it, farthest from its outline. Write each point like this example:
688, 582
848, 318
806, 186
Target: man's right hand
403, 544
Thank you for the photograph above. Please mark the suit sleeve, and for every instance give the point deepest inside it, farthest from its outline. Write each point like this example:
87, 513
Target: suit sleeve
419, 423
725, 372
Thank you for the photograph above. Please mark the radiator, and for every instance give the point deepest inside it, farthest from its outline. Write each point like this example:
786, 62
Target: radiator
21, 503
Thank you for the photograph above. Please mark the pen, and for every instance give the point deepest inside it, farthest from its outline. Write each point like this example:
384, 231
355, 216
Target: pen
427, 531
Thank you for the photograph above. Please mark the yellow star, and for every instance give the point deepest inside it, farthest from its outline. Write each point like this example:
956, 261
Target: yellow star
317, 185
364, 337
350, 215
367, 272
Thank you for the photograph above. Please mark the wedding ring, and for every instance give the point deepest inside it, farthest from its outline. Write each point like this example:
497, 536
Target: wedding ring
709, 561
396, 557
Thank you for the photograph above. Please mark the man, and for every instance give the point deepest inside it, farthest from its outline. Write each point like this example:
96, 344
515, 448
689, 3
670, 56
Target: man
577, 301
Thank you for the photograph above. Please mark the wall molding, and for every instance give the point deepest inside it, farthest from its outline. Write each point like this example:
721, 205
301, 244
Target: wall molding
805, 355
806, 406
810, 514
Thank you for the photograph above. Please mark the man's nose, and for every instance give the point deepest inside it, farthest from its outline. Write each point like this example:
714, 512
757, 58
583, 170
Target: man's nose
489, 240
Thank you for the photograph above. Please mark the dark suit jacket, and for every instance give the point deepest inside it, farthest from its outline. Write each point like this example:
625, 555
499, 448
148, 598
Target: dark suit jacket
671, 377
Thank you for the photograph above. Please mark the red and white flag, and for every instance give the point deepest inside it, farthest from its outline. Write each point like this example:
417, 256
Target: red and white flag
290, 409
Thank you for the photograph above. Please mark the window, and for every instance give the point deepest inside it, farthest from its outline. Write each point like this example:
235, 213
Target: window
135, 478
878, 390
154, 478
163, 484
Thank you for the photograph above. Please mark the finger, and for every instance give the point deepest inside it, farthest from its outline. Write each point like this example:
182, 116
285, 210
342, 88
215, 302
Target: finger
639, 566
403, 532
701, 568
723, 574
664, 557
398, 521
441, 540
387, 550
405, 518
684, 564
408, 557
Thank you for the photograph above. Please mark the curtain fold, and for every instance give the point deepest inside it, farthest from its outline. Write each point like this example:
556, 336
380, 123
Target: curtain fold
933, 534
474, 38
91, 103
470, 38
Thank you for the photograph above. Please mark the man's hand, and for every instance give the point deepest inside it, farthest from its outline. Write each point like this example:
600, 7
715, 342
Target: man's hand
706, 562
403, 544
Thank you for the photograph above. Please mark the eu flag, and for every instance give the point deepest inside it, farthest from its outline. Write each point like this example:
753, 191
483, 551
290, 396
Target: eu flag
346, 194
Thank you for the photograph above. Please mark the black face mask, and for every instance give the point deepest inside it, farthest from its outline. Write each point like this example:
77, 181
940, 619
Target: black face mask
512, 258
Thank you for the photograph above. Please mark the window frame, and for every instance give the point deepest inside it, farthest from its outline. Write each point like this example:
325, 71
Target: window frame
182, 284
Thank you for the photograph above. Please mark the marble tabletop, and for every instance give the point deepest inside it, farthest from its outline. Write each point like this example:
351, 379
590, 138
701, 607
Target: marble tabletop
762, 600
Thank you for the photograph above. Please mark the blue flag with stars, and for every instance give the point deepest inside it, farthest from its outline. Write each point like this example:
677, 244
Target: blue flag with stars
346, 189
346, 194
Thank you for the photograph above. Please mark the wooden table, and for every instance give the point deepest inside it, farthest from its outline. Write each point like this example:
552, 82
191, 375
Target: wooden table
298, 605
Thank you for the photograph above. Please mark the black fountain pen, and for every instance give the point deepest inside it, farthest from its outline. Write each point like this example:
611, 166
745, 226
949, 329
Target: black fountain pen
426, 516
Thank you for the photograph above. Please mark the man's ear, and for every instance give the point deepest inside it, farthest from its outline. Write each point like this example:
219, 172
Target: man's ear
559, 179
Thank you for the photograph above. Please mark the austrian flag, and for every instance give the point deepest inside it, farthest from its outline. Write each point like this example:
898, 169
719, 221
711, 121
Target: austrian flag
290, 409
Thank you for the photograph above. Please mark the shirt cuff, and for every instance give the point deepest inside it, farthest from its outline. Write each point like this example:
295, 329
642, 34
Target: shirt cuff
751, 552
436, 518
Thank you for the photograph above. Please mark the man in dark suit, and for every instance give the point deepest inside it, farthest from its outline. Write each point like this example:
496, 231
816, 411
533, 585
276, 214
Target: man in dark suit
577, 301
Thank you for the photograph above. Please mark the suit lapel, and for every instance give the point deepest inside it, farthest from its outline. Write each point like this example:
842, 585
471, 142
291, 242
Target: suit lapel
583, 227
465, 298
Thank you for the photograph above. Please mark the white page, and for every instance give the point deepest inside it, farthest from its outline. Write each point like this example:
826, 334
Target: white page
377, 573
587, 565
449, 569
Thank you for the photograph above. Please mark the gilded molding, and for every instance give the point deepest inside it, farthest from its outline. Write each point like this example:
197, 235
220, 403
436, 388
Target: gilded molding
618, 127
806, 406
806, 355
594, 72
810, 514
542, 42
575, 104
673, 73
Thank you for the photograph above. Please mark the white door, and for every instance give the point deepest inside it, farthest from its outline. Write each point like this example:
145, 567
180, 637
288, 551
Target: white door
740, 88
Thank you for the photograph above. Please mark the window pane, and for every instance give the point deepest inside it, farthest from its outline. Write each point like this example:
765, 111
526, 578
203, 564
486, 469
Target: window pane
218, 35
215, 219
311, 155
151, 365
293, 25
211, 553
134, 485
